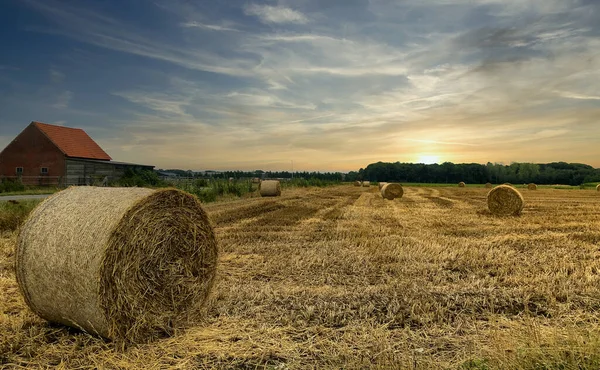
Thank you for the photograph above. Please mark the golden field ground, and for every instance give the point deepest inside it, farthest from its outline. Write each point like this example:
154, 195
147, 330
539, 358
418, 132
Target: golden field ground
340, 278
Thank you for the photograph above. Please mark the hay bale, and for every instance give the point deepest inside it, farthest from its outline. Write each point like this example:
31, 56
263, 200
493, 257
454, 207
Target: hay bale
598, 187
488, 185
505, 200
532, 186
391, 191
269, 188
461, 184
129, 264
381, 184
357, 183
366, 183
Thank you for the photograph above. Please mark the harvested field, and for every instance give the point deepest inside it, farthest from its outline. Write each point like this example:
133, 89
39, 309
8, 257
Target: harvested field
339, 277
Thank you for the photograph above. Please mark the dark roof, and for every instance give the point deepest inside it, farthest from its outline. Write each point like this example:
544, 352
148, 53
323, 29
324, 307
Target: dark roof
113, 162
73, 142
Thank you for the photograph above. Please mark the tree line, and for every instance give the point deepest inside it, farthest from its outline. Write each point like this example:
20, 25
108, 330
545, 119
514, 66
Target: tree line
475, 173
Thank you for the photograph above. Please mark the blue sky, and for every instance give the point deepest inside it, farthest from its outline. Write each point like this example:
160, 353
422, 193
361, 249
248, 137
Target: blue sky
329, 84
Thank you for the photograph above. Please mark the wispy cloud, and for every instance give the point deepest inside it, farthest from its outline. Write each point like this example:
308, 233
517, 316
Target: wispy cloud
276, 14
63, 100
56, 76
211, 27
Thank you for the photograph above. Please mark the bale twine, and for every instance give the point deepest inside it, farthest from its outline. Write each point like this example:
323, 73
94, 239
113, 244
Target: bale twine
505, 200
391, 191
488, 185
532, 186
129, 264
461, 184
366, 183
357, 183
381, 184
269, 188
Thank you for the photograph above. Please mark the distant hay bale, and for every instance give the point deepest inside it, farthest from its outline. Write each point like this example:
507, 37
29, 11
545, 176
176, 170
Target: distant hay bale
269, 188
366, 183
255, 180
357, 183
128, 264
532, 186
488, 185
461, 184
391, 191
505, 200
598, 187
381, 184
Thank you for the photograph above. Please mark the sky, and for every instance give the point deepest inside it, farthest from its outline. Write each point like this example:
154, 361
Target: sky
328, 85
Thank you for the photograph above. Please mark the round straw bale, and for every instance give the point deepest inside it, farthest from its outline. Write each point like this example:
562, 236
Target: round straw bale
598, 187
270, 188
381, 184
391, 191
461, 184
532, 186
366, 183
505, 200
488, 185
357, 183
129, 264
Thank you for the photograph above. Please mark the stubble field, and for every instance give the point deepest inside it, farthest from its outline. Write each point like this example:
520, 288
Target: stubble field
338, 277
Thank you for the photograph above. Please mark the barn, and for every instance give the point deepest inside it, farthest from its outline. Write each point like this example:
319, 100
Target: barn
44, 154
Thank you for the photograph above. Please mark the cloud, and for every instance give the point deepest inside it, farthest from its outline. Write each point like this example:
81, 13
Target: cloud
56, 76
63, 100
275, 14
211, 27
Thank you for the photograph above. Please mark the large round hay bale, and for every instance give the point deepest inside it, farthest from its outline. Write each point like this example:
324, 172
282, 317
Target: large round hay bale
391, 191
461, 184
129, 264
505, 200
366, 183
532, 186
270, 188
598, 187
381, 184
488, 185
357, 183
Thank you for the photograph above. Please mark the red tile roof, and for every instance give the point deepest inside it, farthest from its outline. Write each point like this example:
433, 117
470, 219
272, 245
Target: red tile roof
74, 142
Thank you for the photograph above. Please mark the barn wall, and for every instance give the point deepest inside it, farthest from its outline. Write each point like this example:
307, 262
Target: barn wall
82, 172
32, 150
91, 172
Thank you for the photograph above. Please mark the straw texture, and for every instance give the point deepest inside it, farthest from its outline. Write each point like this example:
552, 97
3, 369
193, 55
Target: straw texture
129, 264
504, 200
392, 191
269, 188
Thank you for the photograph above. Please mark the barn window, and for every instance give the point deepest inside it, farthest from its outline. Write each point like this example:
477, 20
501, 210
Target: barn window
44, 170
19, 170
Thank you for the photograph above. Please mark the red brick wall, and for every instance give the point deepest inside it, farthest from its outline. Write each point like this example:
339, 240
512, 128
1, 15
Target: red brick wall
32, 150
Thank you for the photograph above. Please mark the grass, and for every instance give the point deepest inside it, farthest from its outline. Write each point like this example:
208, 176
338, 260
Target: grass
32, 191
12, 215
336, 277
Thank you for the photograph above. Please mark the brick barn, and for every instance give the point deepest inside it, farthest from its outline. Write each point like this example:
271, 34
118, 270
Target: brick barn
44, 154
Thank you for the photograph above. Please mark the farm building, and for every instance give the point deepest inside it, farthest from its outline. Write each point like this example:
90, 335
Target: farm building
44, 154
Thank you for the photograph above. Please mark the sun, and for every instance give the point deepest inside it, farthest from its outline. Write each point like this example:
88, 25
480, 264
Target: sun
428, 159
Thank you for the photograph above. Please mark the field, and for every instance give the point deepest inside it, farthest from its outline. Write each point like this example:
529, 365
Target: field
337, 277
